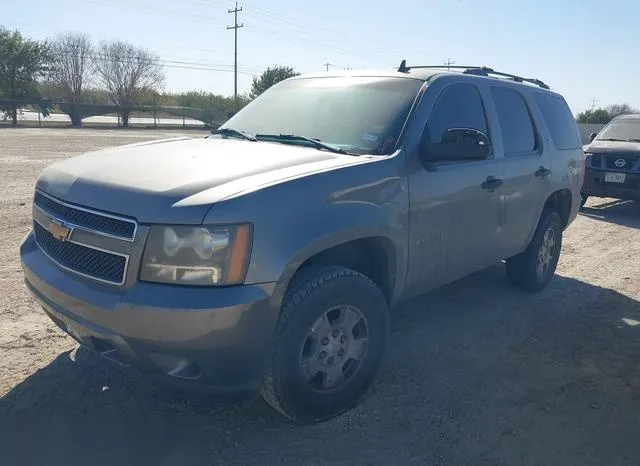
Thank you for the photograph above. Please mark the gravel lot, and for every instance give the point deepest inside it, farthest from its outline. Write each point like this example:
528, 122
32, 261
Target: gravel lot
477, 373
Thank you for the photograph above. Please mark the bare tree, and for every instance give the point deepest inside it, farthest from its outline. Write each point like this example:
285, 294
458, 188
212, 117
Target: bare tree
127, 73
619, 109
71, 55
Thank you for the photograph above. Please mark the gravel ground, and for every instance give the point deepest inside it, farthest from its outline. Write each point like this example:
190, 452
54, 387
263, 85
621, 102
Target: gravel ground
476, 373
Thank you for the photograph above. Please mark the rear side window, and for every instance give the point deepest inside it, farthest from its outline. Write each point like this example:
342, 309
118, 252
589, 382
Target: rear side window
560, 121
459, 106
518, 133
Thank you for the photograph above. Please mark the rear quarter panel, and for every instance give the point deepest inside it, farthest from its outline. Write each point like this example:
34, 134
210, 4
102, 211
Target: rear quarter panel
567, 165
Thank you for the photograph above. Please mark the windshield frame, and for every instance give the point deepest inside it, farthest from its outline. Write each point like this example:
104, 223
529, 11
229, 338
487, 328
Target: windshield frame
412, 105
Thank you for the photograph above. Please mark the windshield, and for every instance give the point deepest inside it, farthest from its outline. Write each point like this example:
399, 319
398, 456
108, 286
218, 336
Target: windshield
362, 115
624, 130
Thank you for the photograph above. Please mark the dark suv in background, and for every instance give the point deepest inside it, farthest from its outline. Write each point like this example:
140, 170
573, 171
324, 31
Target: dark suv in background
613, 160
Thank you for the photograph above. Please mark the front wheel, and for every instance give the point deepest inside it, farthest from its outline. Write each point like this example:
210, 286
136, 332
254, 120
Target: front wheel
534, 268
329, 342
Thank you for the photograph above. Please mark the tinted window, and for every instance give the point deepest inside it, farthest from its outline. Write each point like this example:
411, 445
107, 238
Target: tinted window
518, 135
459, 106
560, 121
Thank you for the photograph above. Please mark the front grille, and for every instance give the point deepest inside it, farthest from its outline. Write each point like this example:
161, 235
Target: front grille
596, 160
105, 224
610, 163
84, 260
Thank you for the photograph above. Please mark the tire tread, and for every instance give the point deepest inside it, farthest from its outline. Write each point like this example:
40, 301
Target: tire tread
309, 280
519, 269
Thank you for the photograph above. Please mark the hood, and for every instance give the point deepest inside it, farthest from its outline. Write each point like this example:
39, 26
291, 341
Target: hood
177, 180
613, 147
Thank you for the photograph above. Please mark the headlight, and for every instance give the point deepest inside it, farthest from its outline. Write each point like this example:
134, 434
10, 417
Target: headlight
202, 255
587, 158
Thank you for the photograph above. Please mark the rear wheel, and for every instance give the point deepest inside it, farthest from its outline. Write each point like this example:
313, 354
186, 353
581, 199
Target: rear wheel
330, 340
533, 270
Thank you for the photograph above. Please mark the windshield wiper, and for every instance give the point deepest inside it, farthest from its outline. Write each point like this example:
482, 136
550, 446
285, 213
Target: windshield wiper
613, 139
318, 144
234, 132
633, 140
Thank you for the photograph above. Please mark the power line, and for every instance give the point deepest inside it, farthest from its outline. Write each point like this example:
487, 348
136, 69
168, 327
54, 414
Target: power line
199, 64
188, 65
340, 36
235, 28
593, 103
295, 37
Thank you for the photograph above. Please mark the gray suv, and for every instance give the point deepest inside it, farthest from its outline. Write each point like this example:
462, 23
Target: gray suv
264, 258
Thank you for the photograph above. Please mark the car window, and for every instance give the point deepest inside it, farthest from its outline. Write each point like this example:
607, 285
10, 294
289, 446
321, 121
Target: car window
559, 120
518, 133
360, 114
626, 129
459, 106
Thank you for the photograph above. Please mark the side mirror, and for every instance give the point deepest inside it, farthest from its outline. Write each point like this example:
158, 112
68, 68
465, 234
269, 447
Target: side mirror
592, 136
457, 144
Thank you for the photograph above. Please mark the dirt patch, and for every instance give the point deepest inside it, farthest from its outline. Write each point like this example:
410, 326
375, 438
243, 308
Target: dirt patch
476, 373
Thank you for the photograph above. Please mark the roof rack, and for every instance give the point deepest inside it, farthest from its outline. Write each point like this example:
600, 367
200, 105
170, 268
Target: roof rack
475, 70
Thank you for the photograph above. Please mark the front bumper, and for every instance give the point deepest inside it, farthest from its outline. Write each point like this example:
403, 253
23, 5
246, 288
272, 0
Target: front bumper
217, 339
594, 185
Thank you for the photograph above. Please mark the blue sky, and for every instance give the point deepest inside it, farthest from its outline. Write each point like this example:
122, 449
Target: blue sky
582, 48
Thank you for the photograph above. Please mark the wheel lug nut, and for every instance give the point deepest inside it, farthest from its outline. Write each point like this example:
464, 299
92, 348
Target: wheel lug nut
323, 354
325, 341
335, 333
343, 339
330, 360
341, 353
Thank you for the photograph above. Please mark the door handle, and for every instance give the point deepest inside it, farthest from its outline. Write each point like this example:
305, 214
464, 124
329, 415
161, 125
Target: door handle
491, 183
542, 172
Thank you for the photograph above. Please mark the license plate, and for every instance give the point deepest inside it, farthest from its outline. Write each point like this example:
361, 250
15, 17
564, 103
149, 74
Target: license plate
614, 177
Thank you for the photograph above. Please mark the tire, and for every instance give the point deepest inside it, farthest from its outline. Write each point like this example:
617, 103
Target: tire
302, 333
523, 270
583, 200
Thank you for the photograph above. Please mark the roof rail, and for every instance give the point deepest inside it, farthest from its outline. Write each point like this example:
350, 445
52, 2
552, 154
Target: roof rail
475, 70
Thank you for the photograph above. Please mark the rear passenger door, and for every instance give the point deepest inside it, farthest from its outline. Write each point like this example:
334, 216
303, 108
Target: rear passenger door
527, 168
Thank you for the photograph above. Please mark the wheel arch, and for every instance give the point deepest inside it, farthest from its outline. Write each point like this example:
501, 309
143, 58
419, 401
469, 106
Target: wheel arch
375, 256
560, 201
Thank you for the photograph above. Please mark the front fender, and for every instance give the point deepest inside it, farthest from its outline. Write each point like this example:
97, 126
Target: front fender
292, 221
342, 225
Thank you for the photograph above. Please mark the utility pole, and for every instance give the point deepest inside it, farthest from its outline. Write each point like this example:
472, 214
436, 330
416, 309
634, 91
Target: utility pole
235, 28
449, 63
327, 65
593, 103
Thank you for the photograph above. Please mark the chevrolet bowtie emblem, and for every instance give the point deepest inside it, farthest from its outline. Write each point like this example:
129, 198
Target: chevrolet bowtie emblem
59, 231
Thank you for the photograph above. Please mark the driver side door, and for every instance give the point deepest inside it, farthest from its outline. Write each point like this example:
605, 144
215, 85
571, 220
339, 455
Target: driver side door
455, 203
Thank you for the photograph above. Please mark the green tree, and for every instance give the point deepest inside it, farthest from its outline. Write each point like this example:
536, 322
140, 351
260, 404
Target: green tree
604, 115
22, 62
270, 77
597, 116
